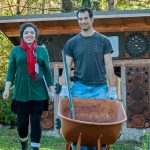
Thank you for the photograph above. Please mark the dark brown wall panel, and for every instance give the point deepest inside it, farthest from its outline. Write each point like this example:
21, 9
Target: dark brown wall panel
137, 96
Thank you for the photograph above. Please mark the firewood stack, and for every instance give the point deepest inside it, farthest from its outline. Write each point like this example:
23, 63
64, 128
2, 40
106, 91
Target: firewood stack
47, 118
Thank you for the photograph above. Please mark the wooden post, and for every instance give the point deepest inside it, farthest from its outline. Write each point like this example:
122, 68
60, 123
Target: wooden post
56, 97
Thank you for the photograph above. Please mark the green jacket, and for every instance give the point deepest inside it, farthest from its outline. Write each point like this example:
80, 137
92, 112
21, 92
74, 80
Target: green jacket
25, 87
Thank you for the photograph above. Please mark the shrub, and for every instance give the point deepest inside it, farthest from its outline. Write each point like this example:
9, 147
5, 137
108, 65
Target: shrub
6, 116
146, 142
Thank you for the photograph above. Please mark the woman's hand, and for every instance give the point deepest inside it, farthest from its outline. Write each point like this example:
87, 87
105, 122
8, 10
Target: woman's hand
5, 94
7, 90
51, 89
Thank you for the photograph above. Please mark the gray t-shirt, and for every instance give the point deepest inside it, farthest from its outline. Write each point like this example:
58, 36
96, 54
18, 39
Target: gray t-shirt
88, 56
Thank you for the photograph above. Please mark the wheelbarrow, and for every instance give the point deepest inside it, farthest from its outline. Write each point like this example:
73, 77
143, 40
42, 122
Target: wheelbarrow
96, 122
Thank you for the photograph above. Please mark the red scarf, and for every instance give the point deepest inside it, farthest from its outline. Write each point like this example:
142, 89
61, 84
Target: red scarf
31, 60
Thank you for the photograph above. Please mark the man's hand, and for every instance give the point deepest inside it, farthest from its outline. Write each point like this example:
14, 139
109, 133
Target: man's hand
112, 93
64, 91
62, 80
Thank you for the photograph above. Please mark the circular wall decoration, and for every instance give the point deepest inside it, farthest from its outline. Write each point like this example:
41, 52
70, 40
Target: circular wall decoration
136, 45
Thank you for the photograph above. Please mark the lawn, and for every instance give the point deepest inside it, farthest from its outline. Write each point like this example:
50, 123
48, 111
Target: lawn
9, 141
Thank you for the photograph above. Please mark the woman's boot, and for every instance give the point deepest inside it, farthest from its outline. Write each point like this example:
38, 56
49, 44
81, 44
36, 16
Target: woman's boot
34, 148
24, 145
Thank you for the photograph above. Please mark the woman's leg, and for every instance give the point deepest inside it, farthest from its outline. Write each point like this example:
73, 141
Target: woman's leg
35, 119
22, 127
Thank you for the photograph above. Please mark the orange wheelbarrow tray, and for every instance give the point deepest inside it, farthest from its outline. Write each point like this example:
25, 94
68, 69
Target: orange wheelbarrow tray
96, 121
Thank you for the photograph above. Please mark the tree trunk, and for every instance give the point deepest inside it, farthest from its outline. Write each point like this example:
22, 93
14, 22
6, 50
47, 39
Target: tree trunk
18, 7
111, 4
43, 6
67, 6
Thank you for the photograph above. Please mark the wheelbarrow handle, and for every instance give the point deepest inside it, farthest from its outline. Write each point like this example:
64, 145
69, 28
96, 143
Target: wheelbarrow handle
68, 85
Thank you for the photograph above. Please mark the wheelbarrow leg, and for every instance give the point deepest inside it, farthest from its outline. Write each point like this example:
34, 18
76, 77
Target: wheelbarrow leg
104, 147
99, 142
108, 147
68, 146
79, 141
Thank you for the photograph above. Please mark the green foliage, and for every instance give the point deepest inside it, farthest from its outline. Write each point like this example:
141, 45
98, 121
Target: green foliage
10, 8
5, 48
146, 142
86, 3
95, 5
132, 4
6, 116
19, 7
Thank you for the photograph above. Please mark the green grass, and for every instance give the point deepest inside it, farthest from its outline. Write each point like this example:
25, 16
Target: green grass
9, 141
126, 145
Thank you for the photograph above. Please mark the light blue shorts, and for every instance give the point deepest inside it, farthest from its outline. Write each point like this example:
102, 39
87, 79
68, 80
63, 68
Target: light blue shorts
80, 90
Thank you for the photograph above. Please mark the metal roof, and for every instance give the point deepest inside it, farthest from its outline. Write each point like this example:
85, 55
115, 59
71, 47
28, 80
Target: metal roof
72, 16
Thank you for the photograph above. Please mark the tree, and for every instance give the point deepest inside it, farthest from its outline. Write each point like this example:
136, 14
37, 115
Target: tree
5, 47
86, 3
24, 7
19, 7
67, 6
96, 5
111, 4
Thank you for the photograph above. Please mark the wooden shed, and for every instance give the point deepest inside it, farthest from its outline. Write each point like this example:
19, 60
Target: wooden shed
129, 33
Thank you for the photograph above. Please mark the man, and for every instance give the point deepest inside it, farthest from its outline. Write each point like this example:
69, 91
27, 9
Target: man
90, 52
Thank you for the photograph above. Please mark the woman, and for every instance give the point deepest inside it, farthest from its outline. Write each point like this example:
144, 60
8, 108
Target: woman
27, 65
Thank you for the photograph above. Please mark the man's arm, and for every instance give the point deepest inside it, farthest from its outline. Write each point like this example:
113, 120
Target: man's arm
62, 79
109, 69
110, 76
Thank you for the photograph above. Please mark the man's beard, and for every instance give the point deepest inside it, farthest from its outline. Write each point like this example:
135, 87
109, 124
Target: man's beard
85, 29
